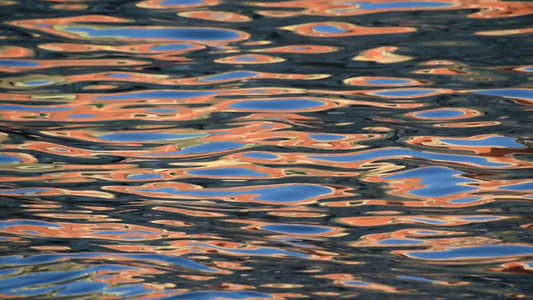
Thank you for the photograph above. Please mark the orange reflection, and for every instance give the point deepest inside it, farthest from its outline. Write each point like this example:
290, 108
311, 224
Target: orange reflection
158, 4
220, 16
382, 55
14, 52
339, 29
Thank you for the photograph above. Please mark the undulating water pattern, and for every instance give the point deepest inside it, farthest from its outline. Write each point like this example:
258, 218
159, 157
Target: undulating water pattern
222, 149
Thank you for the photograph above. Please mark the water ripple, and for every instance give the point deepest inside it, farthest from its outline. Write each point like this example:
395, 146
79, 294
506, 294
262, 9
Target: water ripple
320, 149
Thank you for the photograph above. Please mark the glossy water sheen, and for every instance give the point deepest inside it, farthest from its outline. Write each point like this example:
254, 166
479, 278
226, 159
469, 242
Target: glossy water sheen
299, 149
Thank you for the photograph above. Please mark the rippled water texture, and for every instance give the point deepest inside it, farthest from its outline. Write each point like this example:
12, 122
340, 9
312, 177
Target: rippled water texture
265, 149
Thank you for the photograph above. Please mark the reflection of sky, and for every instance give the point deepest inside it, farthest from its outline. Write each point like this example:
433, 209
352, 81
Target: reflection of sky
214, 295
23, 191
501, 141
260, 155
5, 224
171, 47
190, 34
18, 63
391, 153
400, 4
5, 159
328, 29
32, 284
37, 82
441, 113
296, 228
228, 172
145, 136
399, 242
277, 105
157, 95
229, 76
403, 93
511, 93
391, 81
326, 137
181, 2
527, 186
415, 278
284, 193
47, 258
143, 176
474, 252
440, 181
32, 108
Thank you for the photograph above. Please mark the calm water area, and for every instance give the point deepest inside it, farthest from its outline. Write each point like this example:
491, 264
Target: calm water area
266, 149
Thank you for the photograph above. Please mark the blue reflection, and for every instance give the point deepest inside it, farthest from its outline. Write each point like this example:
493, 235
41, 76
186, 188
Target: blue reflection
171, 47
145, 136
157, 95
81, 116
388, 81
284, 193
246, 58
6, 159
277, 105
47, 258
440, 181
326, 137
426, 232
510, 93
214, 295
527, 186
480, 218
144, 176
401, 4
430, 221
161, 111
415, 278
260, 155
119, 75
501, 141
464, 200
190, 34
121, 232
395, 152
22, 284
37, 82
5, 224
441, 114
24, 191
360, 283
403, 93
399, 242
475, 252
328, 29
228, 172
296, 228
229, 76
181, 2
18, 63
33, 108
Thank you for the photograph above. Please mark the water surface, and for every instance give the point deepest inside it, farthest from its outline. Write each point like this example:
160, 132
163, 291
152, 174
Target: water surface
314, 149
